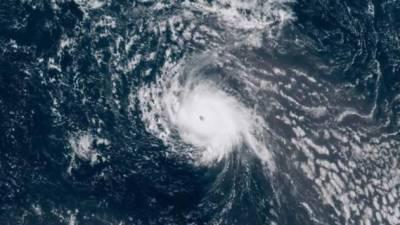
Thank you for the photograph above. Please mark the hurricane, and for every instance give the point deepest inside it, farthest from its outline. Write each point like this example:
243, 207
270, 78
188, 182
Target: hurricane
195, 106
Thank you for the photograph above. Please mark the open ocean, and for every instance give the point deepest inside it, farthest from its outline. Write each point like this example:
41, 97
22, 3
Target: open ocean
200, 112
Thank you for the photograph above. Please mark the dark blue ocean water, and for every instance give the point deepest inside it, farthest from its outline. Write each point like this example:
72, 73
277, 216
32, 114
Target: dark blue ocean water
70, 73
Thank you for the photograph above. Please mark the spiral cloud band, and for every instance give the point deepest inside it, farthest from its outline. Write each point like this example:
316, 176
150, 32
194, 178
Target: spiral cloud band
203, 116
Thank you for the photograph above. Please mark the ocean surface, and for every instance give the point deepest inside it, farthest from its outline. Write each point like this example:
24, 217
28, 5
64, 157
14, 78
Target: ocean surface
192, 112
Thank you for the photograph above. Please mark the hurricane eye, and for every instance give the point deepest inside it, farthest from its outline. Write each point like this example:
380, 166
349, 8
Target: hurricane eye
201, 118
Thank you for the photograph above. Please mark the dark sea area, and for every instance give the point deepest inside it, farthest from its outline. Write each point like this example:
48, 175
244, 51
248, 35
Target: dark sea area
89, 135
